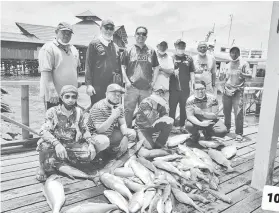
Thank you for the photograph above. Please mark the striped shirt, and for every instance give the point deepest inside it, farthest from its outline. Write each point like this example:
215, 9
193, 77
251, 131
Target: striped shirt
99, 113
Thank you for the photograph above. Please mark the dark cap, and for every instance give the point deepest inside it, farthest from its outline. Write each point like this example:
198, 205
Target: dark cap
67, 89
235, 47
115, 87
65, 26
162, 41
179, 41
107, 22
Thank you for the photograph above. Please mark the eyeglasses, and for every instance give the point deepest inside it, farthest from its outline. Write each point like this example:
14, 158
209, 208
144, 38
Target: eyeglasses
70, 96
141, 34
109, 28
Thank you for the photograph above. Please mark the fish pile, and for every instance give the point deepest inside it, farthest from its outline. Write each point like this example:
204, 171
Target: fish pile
157, 180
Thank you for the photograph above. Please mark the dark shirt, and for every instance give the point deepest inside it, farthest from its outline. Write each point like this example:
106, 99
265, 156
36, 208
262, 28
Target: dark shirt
186, 66
139, 63
101, 62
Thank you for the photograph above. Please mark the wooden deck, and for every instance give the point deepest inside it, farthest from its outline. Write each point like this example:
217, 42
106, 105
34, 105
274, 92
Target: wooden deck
21, 192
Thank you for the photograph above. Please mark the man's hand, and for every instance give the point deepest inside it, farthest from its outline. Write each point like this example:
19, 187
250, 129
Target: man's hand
61, 151
122, 148
206, 123
131, 134
115, 113
176, 72
92, 151
90, 90
53, 96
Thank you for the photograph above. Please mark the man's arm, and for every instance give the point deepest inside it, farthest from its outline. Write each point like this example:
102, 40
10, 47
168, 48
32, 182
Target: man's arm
167, 71
155, 74
246, 72
89, 65
124, 65
191, 116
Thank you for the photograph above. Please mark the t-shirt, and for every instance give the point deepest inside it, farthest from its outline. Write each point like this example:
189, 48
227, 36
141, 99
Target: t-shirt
162, 80
61, 62
99, 113
139, 63
208, 104
204, 67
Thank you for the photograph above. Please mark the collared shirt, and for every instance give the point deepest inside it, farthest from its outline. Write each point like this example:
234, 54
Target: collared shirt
186, 66
139, 64
208, 104
62, 128
163, 80
99, 113
62, 62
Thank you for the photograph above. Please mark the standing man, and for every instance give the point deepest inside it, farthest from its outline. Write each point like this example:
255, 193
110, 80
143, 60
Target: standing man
140, 69
58, 62
205, 67
236, 72
181, 82
102, 63
166, 68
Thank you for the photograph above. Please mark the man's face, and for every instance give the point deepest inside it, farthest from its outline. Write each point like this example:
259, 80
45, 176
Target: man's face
64, 35
234, 53
162, 47
180, 48
107, 30
114, 97
202, 48
69, 100
141, 35
199, 91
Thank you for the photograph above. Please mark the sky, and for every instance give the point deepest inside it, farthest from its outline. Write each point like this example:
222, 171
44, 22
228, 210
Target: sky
167, 20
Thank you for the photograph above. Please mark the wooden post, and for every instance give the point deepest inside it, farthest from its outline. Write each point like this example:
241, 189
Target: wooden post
269, 118
25, 109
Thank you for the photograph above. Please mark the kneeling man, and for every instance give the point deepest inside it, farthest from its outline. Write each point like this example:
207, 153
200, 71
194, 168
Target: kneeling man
107, 123
202, 114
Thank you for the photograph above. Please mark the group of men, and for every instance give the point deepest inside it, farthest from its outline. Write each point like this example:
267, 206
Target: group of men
155, 82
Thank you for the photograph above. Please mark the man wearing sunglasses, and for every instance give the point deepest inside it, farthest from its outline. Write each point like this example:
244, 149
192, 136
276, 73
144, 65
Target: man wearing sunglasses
140, 68
64, 136
103, 65
202, 114
58, 63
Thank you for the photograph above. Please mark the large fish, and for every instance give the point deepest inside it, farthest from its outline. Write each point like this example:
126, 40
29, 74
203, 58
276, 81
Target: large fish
74, 173
220, 159
133, 186
203, 156
127, 164
199, 198
170, 178
184, 150
155, 200
148, 196
53, 190
92, 207
136, 202
153, 153
160, 206
188, 163
148, 164
169, 157
229, 151
184, 198
117, 199
141, 172
123, 172
168, 206
166, 193
167, 167
220, 196
211, 144
197, 173
177, 139
115, 183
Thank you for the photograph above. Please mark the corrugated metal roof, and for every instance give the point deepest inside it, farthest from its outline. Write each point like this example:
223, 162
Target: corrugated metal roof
18, 37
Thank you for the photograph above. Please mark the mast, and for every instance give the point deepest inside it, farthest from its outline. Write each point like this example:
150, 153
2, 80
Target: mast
231, 18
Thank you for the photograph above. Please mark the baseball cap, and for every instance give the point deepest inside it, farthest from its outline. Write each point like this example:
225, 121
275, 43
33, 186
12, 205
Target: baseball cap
202, 43
179, 41
64, 26
115, 87
107, 22
162, 41
68, 88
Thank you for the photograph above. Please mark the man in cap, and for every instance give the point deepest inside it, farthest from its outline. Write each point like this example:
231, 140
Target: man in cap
202, 114
152, 117
166, 68
58, 63
181, 82
107, 124
64, 136
205, 67
237, 71
140, 69
103, 65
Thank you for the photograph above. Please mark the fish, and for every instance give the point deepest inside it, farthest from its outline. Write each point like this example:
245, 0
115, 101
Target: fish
143, 152
135, 179
188, 163
220, 159
136, 201
177, 139
229, 151
53, 190
124, 172
115, 183
148, 196
148, 164
166, 193
187, 189
74, 173
133, 186
192, 184
220, 196
117, 199
169, 157
199, 198
211, 144
167, 167
92, 207
184, 198
182, 149
203, 156
160, 206
213, 183
199, 174
170, 178
168, 206
141, 172
155, 200
127, 164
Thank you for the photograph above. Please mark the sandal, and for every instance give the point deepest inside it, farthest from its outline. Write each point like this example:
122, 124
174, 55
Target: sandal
41, 175
238, 138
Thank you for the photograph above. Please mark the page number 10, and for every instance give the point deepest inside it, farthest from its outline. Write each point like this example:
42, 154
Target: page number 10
270, 198
273, 197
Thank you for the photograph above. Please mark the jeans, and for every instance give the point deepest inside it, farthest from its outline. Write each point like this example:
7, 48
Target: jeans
133, 96
235, 102
164, 130
180, 97
218, 129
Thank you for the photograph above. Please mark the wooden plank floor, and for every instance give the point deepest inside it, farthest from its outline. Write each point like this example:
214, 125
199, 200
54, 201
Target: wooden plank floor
21, 192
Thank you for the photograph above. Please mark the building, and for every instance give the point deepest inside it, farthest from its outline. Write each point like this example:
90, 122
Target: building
19, 51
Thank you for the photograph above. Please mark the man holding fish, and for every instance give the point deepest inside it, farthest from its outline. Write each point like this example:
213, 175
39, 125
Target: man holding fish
202, 110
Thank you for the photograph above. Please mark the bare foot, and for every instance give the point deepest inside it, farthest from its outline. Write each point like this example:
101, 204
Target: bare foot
41, 175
